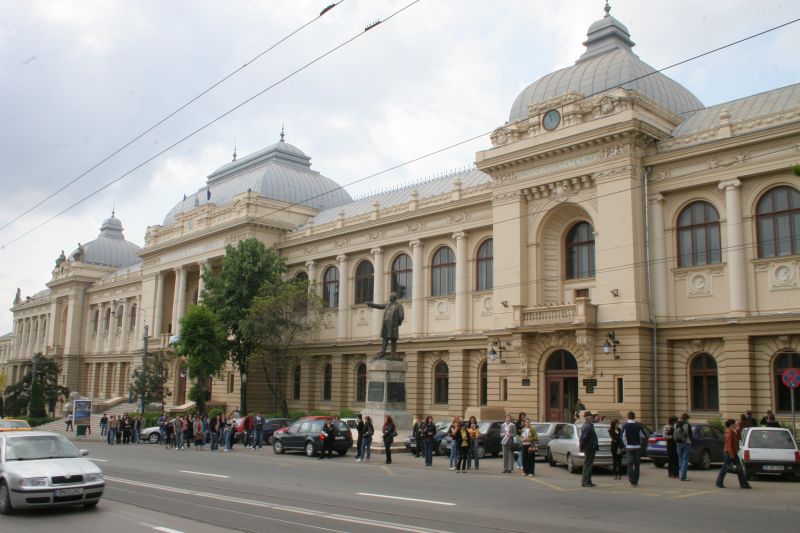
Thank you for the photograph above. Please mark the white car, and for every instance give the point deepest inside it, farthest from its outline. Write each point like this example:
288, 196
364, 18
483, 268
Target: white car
352, 424
765, 450
41, 469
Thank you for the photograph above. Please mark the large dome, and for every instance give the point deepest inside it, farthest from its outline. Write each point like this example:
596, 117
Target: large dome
279, 172
607, 63
109, 248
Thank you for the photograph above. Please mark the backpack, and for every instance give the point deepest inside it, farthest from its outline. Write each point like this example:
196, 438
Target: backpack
680, 432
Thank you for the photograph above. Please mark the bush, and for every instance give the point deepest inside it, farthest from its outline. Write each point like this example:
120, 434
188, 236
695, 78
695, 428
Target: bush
37, 420
150, 419
297, 414
319, 412
37, 409
717, 423
214, 412
347, 413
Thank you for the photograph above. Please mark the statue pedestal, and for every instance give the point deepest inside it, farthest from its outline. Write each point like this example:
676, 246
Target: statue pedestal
386, 395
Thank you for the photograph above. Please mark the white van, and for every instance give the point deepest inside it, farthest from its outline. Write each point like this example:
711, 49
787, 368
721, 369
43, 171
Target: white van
764, 450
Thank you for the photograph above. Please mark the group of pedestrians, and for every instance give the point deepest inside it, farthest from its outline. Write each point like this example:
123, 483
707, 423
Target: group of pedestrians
214, 432
121, 429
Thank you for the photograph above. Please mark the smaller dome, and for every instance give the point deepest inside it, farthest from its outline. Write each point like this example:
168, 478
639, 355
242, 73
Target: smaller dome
109, 248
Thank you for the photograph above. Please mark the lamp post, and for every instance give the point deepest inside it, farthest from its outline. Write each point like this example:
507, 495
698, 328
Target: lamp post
33, 381
610, 346
144, 368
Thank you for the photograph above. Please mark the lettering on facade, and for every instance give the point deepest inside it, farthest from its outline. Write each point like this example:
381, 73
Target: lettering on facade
558, 166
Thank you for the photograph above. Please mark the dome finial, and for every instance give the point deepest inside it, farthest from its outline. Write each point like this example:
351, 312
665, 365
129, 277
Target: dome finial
607, 9
282, 132
113, 209
234, 149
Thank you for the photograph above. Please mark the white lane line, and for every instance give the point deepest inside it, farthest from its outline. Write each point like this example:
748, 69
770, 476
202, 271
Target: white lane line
202, 473
278, 507
166, 529
96, 459
433, 502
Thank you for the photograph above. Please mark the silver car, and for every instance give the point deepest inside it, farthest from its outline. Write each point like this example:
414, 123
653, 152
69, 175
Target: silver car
41, 469
565, 448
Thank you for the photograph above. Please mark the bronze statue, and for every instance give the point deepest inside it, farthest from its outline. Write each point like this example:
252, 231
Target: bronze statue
61, 259
392, 320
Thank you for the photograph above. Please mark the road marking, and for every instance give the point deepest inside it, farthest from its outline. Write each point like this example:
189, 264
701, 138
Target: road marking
555, 487
389, 471
166, 529
433, 502
695, 494
201, 473
278, 507
96, 459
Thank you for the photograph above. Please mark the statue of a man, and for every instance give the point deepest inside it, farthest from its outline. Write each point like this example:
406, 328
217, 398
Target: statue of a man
392, 319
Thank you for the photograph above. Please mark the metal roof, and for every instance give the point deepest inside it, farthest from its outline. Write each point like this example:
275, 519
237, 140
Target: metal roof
110, 247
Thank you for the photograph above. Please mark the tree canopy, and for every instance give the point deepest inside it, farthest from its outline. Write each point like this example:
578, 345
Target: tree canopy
151, 386
203, 341
46, 392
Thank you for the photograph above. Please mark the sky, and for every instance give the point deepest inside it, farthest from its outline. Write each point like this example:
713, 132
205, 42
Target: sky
81, 78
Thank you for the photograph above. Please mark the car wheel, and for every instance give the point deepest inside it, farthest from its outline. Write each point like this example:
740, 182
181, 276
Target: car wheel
270, 440
5, 499
705, 460
154, 438
310, 450
341, 452
90, 505
549, 458
277, 447
572, 468
481, 451
658, 463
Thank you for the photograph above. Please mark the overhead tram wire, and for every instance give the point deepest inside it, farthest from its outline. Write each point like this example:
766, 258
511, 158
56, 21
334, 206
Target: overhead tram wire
173, 113
206, 125
394, 167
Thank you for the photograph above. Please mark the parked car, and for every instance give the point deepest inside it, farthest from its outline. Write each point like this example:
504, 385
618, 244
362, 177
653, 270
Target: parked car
765, 450
42, 469
546, 431
707, 447
270, 426
151, 435
9, 424
352, 423
565, 448
440, 445
305, 435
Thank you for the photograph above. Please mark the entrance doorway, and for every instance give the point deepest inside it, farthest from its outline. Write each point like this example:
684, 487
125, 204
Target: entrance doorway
561, 386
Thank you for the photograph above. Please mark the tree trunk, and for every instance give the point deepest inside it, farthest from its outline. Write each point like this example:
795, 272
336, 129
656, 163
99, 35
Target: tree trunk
242, 393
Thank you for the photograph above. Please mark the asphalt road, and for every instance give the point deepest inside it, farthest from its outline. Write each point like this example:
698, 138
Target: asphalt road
151, 488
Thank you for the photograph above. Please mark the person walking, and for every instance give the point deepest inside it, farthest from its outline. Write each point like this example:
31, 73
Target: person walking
507, 432
389, 433
68, 421
731, 456
366, 443
520, 423
672, 448
589, 446
360, 435
616, 448
103, 425
683, 439
633, 437
428, 437
462, 443
453, 448
474, 433
530, 442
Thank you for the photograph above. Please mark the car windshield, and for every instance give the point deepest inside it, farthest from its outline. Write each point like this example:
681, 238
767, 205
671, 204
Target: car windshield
442, 426
13, 424
541, 428
760, 438
341, 426
39, 447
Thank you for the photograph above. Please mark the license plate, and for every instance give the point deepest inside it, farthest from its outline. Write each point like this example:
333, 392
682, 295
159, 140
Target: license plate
773, 468
69, 492
340, 437
661, 443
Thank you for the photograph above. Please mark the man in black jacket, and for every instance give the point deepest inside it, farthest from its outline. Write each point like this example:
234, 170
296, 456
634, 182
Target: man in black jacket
589, 446
329, 432
417, 433
360, 439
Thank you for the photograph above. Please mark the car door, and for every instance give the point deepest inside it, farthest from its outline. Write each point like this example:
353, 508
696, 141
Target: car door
292, 438
716, 444
561, 443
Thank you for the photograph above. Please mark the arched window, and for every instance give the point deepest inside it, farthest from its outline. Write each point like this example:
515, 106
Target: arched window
107, 321
402, 274
132, 320
705, 390
296, 375
365, 282
443, 272
698, 235
330, 287
580, 251
441, 382
95, 321
361, 382
301, 276
783, 398
120, 317
778, 217
485, 266
561, 360
327, 382
483, 382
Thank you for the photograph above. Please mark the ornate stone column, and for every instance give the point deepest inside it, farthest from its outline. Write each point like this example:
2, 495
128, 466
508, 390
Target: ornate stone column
98, 340
126, 325
379, 293
737, 274
158, 315
417, 287
462, 280
51, 323
344, 296
200, 285
180, 288
311, 266
659, 254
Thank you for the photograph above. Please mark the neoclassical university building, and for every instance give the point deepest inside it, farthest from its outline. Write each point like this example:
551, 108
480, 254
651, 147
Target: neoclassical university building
647, 258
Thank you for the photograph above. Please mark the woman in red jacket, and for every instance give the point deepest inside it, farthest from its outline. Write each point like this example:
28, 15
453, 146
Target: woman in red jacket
732, 456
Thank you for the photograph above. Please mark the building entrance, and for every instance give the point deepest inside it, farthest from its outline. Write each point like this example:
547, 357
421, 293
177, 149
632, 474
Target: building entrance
561, 386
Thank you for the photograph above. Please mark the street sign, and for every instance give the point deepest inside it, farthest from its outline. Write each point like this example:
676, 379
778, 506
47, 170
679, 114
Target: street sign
791, 378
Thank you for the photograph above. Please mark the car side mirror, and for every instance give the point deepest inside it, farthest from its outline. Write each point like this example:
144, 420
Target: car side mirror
84, 453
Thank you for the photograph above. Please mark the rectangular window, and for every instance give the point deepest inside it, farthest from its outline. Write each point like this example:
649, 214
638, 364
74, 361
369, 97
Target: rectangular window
230, 382
581, 293
503, 390
620, 390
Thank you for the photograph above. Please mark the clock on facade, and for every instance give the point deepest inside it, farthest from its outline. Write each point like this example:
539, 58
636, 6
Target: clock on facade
551, 120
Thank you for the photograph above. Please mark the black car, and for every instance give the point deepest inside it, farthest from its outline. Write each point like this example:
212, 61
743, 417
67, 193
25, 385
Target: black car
305, 435
707, 447
270, 426
440, 445
489, 440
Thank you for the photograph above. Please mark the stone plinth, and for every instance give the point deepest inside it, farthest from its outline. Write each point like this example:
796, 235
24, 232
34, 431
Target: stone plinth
386, 394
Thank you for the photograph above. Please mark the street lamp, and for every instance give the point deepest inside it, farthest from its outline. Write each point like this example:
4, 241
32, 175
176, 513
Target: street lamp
610, 346
496, 350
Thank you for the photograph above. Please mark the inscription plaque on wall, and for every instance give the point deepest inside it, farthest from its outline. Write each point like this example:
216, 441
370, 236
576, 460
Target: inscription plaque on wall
396, 391
526, 382
375, 393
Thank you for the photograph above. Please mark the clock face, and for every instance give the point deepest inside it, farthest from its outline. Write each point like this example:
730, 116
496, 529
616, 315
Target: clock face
551, 120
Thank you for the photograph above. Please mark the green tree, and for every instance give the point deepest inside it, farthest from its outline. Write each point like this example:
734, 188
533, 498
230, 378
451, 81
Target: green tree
46, 393
246, 268
279, 319
203, 341
151, 386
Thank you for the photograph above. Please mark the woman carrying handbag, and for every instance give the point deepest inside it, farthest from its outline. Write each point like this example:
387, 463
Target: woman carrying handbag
389, 433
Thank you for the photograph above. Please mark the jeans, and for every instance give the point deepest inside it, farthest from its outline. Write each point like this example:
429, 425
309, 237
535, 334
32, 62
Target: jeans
259, 438
588, 466
214, 441
473, 455
519, 460
112, 434
162, 431
179, 439
387, 446
359, 444
684, 451
103, 429
135, 436
722, 471
634, 461
229, 440
453, 454
508, 457
366, 448
428, 452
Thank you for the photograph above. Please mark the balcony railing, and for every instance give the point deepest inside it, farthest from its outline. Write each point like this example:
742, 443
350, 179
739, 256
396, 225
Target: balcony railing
581, 312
